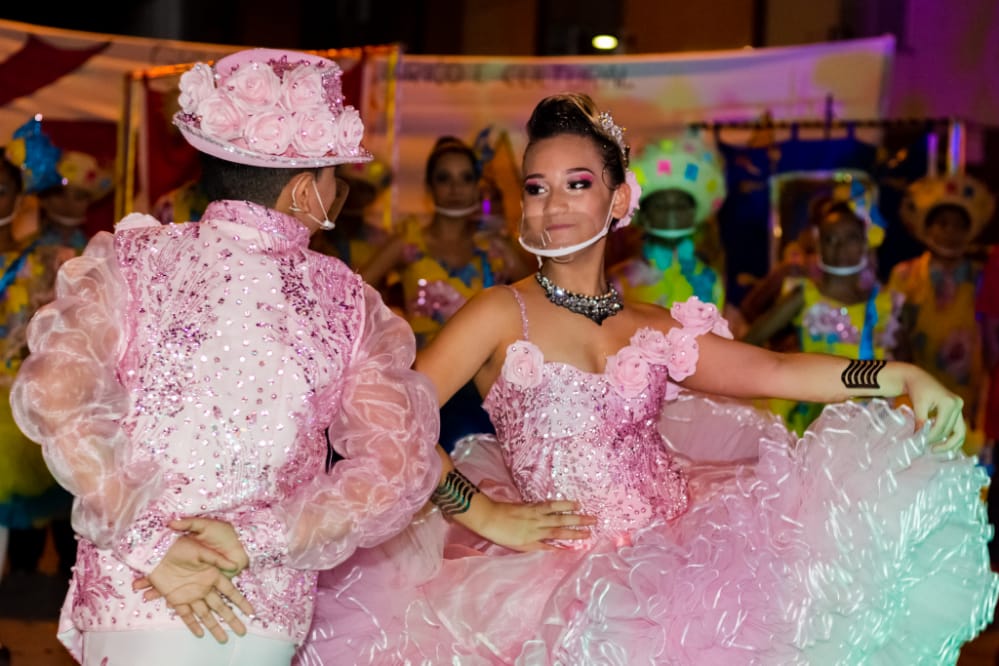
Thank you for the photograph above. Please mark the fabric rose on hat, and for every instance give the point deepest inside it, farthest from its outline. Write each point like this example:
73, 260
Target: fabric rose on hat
316, 134
196, 85
270, 108
303, 90
628, 372
270, 132
254, 87
350, 130
220, 118
522, 366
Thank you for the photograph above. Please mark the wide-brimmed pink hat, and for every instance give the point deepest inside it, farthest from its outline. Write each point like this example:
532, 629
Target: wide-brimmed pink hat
270, 108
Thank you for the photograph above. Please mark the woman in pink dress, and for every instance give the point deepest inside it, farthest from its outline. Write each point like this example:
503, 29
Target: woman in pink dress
597, 527
189, 382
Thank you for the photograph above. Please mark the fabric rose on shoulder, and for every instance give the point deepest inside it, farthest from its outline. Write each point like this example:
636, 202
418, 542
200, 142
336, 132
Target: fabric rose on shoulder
653, 344
699, 317
628, 372
683, 353
523, 365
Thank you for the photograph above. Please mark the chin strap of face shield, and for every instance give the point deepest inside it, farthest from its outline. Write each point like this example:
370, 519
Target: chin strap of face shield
555, 253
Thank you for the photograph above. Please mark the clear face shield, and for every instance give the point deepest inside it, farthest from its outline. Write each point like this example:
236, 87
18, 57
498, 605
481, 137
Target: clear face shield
562, 233
669, 214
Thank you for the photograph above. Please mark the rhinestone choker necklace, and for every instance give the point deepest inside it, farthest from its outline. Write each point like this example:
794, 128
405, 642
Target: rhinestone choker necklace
594, 308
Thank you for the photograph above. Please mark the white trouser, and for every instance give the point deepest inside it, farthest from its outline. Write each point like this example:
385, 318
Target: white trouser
179, 647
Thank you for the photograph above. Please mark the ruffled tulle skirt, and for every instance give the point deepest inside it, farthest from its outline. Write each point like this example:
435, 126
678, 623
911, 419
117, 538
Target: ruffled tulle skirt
854, 545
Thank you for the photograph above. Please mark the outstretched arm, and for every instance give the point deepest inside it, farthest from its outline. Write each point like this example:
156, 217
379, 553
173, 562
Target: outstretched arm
740, 370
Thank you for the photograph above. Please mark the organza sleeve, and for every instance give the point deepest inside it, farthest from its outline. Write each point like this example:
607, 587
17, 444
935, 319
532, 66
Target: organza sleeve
67, 397
387, 431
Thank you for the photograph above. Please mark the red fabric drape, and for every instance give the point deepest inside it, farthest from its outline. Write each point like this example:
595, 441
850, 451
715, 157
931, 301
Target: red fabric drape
37, 65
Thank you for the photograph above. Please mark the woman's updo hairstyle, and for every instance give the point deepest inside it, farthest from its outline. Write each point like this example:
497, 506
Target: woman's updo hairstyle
576, 113
450, 144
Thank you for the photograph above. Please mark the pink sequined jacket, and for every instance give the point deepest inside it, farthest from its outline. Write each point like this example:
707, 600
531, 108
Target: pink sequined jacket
193, 370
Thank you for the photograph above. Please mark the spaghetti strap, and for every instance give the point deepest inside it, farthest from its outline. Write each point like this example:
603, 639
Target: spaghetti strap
523, 311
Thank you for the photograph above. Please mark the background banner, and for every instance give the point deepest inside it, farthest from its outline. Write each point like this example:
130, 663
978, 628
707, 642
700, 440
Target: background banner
647, 94
408, 101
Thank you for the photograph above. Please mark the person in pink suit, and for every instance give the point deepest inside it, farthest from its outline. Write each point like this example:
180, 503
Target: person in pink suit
232, 411
626, 513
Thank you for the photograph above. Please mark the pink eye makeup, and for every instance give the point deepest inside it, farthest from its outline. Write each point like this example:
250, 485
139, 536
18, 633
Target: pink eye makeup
534, 186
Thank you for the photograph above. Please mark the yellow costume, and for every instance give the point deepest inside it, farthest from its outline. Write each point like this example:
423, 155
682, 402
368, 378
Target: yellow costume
864, 330
433, 291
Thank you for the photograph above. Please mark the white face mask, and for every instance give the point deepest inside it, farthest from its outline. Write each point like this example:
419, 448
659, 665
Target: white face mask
66, 220
540, 243
669, 234
326, 224
458, 212
945, 252
842, 270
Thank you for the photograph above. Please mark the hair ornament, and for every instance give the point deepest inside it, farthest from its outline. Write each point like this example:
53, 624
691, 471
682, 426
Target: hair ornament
614, 131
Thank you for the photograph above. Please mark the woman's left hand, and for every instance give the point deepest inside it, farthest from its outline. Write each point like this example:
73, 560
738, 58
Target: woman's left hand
931, 400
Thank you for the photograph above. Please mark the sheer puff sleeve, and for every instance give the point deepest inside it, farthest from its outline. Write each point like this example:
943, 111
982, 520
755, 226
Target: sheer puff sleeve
386, 430
67, 397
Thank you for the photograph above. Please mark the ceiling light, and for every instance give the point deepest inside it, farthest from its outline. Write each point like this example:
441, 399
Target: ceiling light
604, 42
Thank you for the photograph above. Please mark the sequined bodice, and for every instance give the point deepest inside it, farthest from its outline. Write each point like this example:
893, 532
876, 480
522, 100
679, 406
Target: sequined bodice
570, 434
